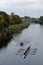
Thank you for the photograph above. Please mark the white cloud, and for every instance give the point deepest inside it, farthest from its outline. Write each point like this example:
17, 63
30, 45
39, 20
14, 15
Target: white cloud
2, 2
18, 3
19, 6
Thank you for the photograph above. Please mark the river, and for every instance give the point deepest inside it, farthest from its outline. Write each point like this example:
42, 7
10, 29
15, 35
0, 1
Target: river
12, 54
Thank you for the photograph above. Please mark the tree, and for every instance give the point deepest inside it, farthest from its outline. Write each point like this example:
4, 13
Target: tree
41, 20
17, 19
4, 20
5, 16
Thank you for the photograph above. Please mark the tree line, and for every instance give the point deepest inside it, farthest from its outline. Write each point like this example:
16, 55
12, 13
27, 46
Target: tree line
6, 20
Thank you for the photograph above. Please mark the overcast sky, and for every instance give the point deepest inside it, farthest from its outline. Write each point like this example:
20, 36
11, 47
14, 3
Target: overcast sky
33, 8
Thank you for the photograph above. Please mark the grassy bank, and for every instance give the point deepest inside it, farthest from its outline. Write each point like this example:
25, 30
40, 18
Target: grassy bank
17, 27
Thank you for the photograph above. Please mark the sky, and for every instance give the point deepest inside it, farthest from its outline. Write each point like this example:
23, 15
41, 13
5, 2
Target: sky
33, 8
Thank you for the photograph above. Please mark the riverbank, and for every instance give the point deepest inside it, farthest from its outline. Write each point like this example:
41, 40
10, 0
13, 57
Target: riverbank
17, 27
12, 29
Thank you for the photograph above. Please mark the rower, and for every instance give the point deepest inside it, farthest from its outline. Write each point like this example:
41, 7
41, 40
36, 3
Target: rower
21, 44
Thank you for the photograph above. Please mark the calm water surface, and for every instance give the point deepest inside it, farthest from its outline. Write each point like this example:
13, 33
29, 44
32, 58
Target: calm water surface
31, 36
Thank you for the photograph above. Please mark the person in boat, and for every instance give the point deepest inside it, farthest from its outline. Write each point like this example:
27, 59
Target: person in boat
21, 44
26, 52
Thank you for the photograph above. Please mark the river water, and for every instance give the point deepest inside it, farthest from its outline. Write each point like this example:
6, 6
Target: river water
12, 54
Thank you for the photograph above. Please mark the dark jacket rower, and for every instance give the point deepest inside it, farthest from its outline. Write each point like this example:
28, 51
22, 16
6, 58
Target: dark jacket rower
21, 44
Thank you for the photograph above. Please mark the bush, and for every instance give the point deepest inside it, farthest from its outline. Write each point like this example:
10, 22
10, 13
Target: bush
41, 20
5, 16
4, 20
17, 19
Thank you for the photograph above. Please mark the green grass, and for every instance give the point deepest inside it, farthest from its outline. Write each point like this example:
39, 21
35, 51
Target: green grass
18, 27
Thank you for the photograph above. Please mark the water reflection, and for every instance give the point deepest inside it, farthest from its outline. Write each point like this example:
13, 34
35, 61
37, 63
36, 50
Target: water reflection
33, 51
3, 45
